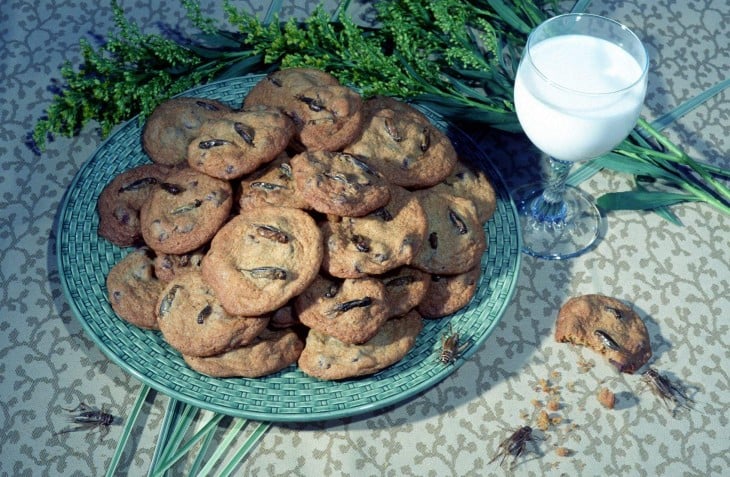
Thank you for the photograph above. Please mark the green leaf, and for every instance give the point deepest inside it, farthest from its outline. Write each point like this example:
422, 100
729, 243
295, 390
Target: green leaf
641, 200
635, 166
508, 15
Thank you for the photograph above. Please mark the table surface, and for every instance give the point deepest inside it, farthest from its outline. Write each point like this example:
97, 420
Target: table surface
677, 279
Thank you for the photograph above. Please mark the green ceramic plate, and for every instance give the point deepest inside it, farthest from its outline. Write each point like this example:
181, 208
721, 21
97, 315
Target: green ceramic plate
85, 259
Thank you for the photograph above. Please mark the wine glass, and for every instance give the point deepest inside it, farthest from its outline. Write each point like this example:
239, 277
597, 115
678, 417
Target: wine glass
578, 92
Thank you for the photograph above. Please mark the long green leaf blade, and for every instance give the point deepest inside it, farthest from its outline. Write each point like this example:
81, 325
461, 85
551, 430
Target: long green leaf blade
641, 200
131, 419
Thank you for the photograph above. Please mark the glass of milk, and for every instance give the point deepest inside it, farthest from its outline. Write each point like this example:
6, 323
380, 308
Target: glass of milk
578, 92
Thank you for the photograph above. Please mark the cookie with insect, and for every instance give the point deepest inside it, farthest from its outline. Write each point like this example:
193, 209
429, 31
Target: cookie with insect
386, 238
120, 201
339, 184
448, 294
239, 142
270, 352
608, 326
400, 142
133, 289
170, 265
325, 357
350, 310
193, 321
327, 116
174, 123
405, 288
272, 184
471, 182
455, 239
185, 212
262, 258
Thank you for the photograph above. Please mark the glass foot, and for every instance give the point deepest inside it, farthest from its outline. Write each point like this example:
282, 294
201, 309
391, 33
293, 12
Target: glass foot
558, 232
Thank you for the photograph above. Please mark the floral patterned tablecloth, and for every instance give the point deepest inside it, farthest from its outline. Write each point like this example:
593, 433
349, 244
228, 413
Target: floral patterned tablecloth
677, 278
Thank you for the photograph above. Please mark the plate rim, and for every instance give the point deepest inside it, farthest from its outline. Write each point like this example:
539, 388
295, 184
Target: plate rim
367, 407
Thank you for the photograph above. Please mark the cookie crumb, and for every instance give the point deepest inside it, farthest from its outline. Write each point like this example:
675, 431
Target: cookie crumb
563, 452
607, 398
553, 405
543, 420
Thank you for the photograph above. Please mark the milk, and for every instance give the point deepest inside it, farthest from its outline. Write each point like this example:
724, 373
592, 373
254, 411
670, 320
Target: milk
578, 96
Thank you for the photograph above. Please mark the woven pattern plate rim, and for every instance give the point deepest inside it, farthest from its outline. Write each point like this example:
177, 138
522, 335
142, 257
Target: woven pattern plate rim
85, 259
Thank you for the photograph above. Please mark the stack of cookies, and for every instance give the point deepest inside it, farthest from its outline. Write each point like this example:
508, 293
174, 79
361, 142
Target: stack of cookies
306, 226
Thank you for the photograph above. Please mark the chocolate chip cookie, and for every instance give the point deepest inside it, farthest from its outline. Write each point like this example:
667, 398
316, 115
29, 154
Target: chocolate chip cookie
272, 184
325, 357
403, 145
133, 289
120, 201
327, 115
262, 258
339, 184
238, 143
351, 310
607, 326
472, 183
455, 240
270, 352
449, 293
383, 240
174, 123
185, 211
193, 321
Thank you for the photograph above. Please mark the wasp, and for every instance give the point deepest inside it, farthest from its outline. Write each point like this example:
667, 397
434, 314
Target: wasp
514, 445
86, 417
666, 390
450, 348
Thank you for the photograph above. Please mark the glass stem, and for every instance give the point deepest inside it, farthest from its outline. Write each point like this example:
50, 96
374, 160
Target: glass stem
550, 206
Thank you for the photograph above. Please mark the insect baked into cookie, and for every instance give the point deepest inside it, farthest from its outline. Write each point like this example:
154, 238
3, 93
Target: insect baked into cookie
133, 289
350, 310
325, 357
174, 123
185, 211
455, 240
608, 326
193, 321
120, 201
272, 184
238, 143
327, 116
405, 288
338, 183
386, 238
262, 258
403, 145
269, 352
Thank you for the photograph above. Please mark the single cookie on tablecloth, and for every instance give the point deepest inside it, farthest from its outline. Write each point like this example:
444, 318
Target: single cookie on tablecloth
472, 183
272, 184
120, 201
325, 357
270, 352
174, 123
327, 115
185, 212
193, 321
133, 289
405, 288
448, 294
262, 258
388, 237
350, 310
608, 326
455, 240
401, 143
339, 184
239, 142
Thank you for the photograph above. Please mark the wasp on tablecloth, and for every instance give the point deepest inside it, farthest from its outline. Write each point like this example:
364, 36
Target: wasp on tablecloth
514, 445
84, 417
666, 390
